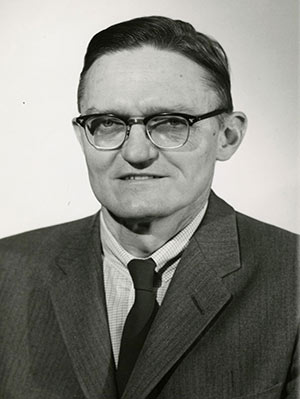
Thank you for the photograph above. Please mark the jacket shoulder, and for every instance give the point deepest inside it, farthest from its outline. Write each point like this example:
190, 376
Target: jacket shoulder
267, 241
43, 241
264, 230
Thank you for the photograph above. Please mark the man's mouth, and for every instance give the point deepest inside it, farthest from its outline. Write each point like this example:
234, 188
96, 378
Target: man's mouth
140, 177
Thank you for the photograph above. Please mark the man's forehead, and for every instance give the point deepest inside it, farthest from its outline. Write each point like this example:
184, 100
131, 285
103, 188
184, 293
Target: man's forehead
157, 80
145, 62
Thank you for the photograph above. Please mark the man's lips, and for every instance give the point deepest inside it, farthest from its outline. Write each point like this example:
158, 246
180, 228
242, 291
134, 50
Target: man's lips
140, 176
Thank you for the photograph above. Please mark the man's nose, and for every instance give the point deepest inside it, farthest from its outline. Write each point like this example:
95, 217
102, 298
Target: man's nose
137, 148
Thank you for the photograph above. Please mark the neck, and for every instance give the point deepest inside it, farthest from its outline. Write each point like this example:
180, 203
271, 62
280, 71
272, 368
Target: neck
143, 237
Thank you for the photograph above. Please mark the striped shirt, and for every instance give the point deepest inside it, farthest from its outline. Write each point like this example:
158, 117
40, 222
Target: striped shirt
119, 290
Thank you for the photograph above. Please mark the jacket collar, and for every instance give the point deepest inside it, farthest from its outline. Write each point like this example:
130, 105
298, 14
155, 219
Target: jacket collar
77, 293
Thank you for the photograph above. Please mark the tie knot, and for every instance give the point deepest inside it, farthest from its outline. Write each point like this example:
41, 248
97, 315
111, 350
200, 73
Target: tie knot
142, 273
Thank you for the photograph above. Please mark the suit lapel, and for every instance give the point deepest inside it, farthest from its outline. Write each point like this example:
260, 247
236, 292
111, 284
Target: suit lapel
78, 297
196, 296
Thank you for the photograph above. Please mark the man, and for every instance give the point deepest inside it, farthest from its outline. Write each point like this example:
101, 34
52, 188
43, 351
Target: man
217, 316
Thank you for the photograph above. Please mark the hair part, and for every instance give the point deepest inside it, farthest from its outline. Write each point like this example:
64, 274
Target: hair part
165, 34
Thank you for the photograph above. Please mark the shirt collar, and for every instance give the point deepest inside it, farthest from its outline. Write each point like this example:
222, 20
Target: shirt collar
113, 250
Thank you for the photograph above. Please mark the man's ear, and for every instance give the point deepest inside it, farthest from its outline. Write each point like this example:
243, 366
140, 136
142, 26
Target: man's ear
79, 132
231, 135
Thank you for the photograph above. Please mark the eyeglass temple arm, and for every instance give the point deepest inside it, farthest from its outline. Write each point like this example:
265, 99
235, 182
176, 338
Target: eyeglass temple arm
208, 115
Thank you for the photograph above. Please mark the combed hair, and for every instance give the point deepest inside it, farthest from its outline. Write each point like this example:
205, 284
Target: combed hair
165, 34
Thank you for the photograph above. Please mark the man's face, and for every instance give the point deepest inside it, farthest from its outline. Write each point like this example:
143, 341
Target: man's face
138, 180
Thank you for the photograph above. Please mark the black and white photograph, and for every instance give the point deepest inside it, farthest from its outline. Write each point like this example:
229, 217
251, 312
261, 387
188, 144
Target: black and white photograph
149, 235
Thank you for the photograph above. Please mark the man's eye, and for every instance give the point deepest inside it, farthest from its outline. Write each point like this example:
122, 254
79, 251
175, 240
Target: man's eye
166, 121
99, 125
107, 123
176, 122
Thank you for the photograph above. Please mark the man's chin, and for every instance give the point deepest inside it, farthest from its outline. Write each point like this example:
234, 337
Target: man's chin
128, 215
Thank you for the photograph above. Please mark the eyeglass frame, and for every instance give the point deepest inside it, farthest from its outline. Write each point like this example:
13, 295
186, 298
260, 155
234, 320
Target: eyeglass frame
191, 119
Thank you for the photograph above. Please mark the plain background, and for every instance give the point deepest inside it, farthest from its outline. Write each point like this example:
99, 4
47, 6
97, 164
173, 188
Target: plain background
42, 170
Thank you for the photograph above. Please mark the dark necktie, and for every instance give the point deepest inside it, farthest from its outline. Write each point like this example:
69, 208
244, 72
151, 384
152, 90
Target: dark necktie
139, 319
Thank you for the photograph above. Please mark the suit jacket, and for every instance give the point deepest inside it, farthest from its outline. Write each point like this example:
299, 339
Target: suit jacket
227, 327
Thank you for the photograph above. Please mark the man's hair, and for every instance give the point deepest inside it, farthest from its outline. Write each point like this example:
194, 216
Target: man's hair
164, 34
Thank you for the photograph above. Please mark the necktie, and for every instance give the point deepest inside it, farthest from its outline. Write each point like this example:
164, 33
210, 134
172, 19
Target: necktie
139, 319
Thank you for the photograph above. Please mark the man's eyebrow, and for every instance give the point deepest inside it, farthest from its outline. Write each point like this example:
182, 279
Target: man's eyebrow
92, 110
151, 110
168, 109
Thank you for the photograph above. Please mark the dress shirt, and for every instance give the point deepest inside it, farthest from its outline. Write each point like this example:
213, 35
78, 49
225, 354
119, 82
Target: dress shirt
119, 290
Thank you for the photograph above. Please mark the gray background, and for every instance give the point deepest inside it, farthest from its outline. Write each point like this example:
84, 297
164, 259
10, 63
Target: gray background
43, 176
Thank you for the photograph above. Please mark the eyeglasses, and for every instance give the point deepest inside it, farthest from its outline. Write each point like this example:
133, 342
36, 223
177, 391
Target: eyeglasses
165, 130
